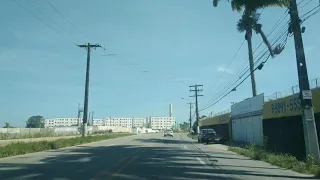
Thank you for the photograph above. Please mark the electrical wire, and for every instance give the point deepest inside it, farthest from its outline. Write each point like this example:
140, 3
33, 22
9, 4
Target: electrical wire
35, 16
283, 34
310, 13
49, 17
256, 62
61, 27
278, 22
226, 68
215, 102
70, 22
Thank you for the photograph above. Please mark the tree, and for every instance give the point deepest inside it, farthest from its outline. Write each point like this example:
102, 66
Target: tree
194, 126
203, 116
249, 22
7, 125
35, 122
184, 126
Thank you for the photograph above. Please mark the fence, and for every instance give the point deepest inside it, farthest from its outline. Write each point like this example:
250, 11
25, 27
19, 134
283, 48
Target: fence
314, 83
21, 133
220, 113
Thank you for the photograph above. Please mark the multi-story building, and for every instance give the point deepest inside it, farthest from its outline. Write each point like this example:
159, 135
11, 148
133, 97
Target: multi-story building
60, 122
98, 122
120, 122
161, 122
139, 122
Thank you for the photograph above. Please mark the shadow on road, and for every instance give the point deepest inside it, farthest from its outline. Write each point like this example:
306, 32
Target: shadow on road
148, 160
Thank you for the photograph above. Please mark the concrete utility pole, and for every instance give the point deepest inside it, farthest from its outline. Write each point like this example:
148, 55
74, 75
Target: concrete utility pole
86, 93
308, 120
190, 118
80, 110
196, 90
92, 118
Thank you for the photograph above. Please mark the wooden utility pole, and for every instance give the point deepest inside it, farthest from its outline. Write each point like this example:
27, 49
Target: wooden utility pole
196, 95
86, 92
308, 120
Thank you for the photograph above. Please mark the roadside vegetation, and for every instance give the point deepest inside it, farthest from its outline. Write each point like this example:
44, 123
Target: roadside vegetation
192, 136
8, 136
18, 148
282, 160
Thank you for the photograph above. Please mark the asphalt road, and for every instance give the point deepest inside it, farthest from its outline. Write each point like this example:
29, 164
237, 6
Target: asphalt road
148, 156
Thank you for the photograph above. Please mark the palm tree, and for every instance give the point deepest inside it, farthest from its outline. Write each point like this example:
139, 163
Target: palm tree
249, 21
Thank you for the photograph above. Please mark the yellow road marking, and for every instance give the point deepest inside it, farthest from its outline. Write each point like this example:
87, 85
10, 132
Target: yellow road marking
123, 167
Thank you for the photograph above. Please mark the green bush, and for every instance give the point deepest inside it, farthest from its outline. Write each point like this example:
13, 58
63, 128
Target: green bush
192, 136
18, 148
282, 160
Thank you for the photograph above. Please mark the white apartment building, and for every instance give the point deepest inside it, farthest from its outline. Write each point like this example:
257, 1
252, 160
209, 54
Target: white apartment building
161, 122
120, 122
60, 122
98, 122
139, 122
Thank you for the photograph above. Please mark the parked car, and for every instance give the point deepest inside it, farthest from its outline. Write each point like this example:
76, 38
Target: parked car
209, 135
168, 132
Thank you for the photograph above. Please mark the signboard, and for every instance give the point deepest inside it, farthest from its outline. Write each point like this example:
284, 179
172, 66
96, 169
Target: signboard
221, 119
247, 106
289, 106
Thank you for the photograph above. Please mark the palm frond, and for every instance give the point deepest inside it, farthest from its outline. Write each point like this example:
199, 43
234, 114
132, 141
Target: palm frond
216, 2
257, 4
246, 21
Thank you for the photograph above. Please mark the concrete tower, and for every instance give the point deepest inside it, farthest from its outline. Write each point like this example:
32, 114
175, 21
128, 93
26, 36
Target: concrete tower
170, 110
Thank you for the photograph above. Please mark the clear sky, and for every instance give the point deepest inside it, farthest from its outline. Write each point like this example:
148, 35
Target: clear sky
162, 46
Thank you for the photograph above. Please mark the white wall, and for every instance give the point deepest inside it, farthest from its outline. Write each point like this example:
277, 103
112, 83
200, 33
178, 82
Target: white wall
55, 131
246, 119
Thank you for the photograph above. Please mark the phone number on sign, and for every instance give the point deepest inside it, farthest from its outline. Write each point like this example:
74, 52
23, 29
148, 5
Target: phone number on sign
288, 105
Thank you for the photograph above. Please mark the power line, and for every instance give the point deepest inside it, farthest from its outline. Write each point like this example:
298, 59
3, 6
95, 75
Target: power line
233, 89
309, 14
49, 17
30, 12
279, 21
306, 3
226, 68
266, 52
57, 11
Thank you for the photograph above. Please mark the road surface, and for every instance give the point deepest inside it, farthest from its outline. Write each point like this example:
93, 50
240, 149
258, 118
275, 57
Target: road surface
147, 156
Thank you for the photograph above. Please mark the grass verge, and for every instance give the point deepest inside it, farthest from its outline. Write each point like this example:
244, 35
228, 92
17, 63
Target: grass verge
18, 148
192, 136
282, 160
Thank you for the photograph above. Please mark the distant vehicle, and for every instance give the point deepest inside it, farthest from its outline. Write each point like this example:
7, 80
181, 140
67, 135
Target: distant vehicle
168, 132
209, 135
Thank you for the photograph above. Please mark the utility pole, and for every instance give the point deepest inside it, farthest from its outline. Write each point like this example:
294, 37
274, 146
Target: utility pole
190, 119
80, 110
92, 118
308, 120
86, 92
196, 90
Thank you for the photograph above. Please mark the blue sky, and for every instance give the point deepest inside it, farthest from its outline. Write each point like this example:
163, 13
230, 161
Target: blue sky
162, 46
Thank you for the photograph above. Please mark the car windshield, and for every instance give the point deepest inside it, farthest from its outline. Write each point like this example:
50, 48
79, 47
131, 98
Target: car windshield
211, 131
208, 131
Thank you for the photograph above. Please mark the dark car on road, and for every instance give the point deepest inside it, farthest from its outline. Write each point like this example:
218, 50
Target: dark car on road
209, 135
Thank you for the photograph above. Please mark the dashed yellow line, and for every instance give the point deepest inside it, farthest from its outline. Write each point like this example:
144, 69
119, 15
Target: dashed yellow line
123, 167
